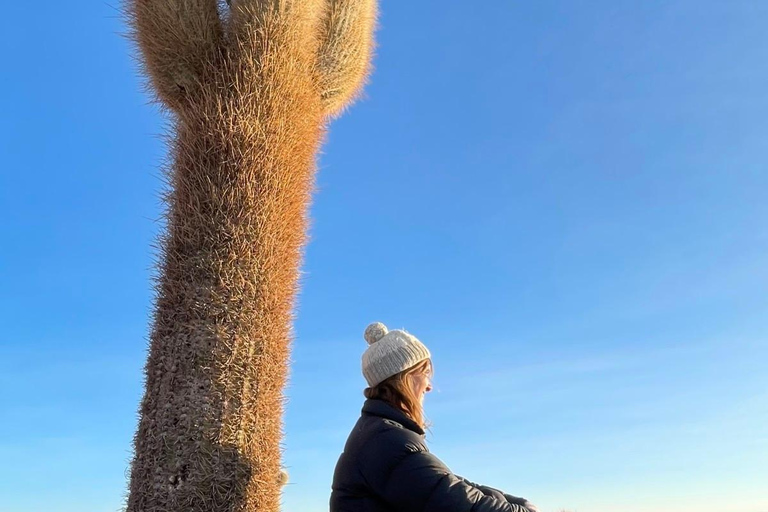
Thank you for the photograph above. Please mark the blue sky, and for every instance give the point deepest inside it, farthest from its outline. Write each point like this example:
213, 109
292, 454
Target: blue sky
564, 200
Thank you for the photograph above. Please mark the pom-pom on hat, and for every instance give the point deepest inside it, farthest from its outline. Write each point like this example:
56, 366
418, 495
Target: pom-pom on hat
390, 352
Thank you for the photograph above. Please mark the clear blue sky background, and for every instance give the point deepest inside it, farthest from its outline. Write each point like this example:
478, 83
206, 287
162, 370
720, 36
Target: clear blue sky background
565, 200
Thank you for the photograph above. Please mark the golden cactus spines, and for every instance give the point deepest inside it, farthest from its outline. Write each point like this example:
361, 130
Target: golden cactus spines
345, 51
250, 87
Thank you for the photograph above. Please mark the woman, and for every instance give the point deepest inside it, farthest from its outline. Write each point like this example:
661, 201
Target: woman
386, 465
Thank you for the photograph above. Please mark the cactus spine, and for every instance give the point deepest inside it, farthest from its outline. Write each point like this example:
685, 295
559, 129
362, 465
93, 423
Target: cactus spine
249, 88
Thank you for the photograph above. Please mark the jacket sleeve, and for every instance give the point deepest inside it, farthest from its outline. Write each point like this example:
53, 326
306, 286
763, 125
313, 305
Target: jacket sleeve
488, 491
420, 482
496, 493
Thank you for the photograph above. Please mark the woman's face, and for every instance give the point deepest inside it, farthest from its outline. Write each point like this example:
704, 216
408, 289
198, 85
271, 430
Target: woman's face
421, 383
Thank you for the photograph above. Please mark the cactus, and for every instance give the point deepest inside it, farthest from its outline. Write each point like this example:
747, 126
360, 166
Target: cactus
250, 87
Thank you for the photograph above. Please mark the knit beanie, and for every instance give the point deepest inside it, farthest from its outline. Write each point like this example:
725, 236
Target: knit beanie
390, 352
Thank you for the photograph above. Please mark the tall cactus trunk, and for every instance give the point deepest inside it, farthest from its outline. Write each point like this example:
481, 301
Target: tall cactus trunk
249, 96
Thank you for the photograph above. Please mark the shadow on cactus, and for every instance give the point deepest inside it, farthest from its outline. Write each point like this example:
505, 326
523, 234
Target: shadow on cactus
249, 88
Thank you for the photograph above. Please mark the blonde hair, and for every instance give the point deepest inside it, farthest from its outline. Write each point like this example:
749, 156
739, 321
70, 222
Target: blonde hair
397, 392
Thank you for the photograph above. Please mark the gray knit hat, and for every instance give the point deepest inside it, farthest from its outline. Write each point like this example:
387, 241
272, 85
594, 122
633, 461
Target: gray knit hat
390, 352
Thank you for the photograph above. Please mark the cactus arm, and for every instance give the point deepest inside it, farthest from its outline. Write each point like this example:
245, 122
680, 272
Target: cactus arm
345, 51
180, 40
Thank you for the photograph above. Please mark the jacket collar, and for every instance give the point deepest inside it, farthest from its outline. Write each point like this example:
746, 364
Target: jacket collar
382, 409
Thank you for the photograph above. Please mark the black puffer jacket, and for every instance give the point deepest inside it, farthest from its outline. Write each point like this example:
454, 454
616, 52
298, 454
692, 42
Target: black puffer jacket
387, 467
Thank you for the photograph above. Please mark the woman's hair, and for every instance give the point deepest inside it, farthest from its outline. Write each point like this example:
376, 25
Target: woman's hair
397, 392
